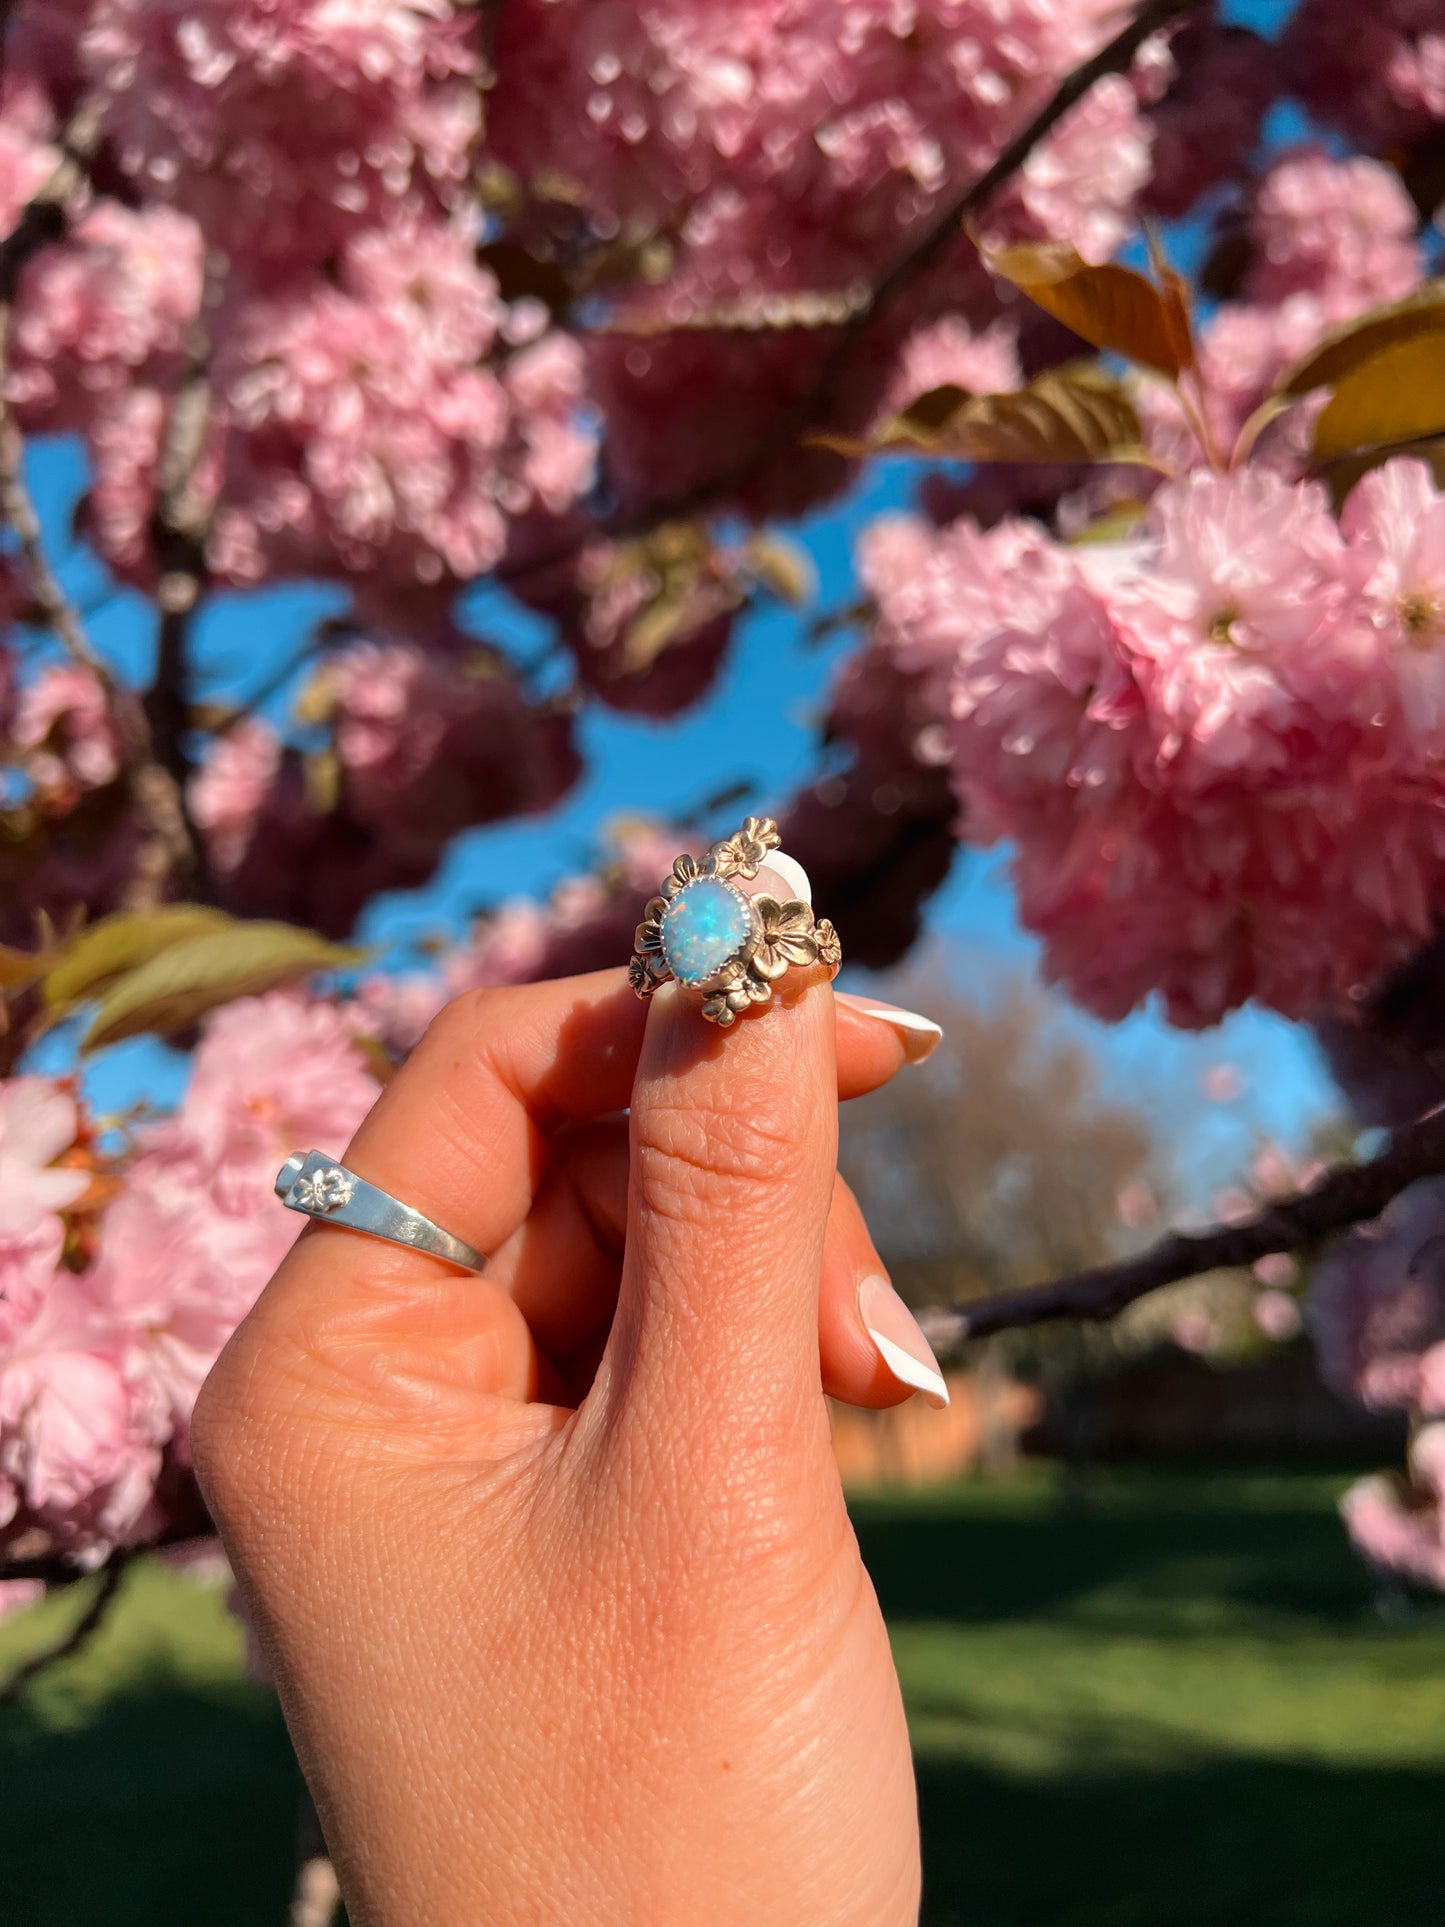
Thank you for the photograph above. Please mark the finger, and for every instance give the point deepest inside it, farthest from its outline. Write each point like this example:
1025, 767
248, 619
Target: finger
377, 1335
734, 1142
564, 1265
872, 1349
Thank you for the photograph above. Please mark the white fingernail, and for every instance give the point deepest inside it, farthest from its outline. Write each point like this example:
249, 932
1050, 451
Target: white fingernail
792, 873
900, 1341
920, 1036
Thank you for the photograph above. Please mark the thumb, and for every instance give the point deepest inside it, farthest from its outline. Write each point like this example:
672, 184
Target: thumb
733, 1151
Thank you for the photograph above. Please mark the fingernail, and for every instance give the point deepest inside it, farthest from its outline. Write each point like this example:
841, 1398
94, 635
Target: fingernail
920, 1036
901, 1344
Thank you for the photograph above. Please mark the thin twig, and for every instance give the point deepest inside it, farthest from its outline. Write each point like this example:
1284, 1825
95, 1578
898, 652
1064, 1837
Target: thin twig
80, 1634
1347, 1195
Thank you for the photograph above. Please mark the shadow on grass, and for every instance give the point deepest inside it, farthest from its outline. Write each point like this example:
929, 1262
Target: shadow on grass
1287, 1564
172, 1805
1228, 1842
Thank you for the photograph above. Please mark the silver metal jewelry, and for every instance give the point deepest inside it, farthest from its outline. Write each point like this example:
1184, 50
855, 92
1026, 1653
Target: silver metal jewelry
320, 1188
706, 934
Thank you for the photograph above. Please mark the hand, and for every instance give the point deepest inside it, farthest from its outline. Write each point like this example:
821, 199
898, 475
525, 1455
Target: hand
552, 1566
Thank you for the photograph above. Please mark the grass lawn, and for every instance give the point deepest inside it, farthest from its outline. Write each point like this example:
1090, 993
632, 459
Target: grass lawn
1172, 1705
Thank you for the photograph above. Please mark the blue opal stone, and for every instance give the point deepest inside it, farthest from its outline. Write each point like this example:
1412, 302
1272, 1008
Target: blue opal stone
704, 926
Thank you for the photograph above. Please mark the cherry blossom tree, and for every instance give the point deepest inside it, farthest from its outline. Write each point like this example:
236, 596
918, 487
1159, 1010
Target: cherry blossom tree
589, 301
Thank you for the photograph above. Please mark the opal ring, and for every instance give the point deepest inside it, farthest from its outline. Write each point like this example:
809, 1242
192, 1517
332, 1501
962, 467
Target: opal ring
709, 935
316, 1185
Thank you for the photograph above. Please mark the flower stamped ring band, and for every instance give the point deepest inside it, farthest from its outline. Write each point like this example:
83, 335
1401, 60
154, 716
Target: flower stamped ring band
319, 1187
708, 934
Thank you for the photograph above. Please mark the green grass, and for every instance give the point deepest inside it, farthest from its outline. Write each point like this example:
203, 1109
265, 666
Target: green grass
1173, 1704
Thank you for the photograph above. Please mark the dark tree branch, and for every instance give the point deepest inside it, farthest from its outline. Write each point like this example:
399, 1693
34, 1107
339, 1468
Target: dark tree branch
1348, 1195
180, 531
34, 1555
79, 1636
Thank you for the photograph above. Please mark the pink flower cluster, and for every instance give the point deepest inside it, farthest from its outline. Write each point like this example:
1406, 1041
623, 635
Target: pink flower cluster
787, 150
394, 422
424, 743
112, 1312
1215, 749
712, 120
307, 166
285, 125
1398, 1523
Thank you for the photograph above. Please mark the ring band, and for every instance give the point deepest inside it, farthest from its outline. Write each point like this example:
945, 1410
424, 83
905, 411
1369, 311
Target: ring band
704, 933
318, 1187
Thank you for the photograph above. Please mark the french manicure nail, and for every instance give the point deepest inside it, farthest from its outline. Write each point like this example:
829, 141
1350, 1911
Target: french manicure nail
901, 1344
920, 1036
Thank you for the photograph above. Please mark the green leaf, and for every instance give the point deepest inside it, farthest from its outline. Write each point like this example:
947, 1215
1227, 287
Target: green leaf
1397, 396
1109, 306
104, 950
1349, 346
1065, 415
170, 991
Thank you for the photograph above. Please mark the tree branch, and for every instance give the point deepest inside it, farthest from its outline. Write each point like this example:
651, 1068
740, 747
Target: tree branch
180, 530
33, 1554
80, 1634
1347, 1195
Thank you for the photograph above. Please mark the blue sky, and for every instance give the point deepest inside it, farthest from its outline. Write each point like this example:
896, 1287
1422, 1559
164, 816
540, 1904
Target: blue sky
759, 726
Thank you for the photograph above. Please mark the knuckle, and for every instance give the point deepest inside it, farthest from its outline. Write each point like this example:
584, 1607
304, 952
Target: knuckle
690, 1152
458, 1026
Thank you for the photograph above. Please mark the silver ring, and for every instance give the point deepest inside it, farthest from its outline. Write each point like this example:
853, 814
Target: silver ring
320, 1188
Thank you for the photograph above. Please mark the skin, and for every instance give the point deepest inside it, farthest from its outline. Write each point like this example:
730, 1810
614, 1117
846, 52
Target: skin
552, 1566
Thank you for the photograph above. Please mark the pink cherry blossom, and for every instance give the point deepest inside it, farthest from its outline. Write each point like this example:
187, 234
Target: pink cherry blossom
1341, 230
117, 294
951, 351
272, 1075
79, 1435
38, 1122
1394, 522
184, 1255
63, 721
284, 125
1396, 1529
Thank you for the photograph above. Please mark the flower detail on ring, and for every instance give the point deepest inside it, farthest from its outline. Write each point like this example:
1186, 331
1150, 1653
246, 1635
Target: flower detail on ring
743, 853
787, 936
326, 1190
722, 1005
830, 949
687, 869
